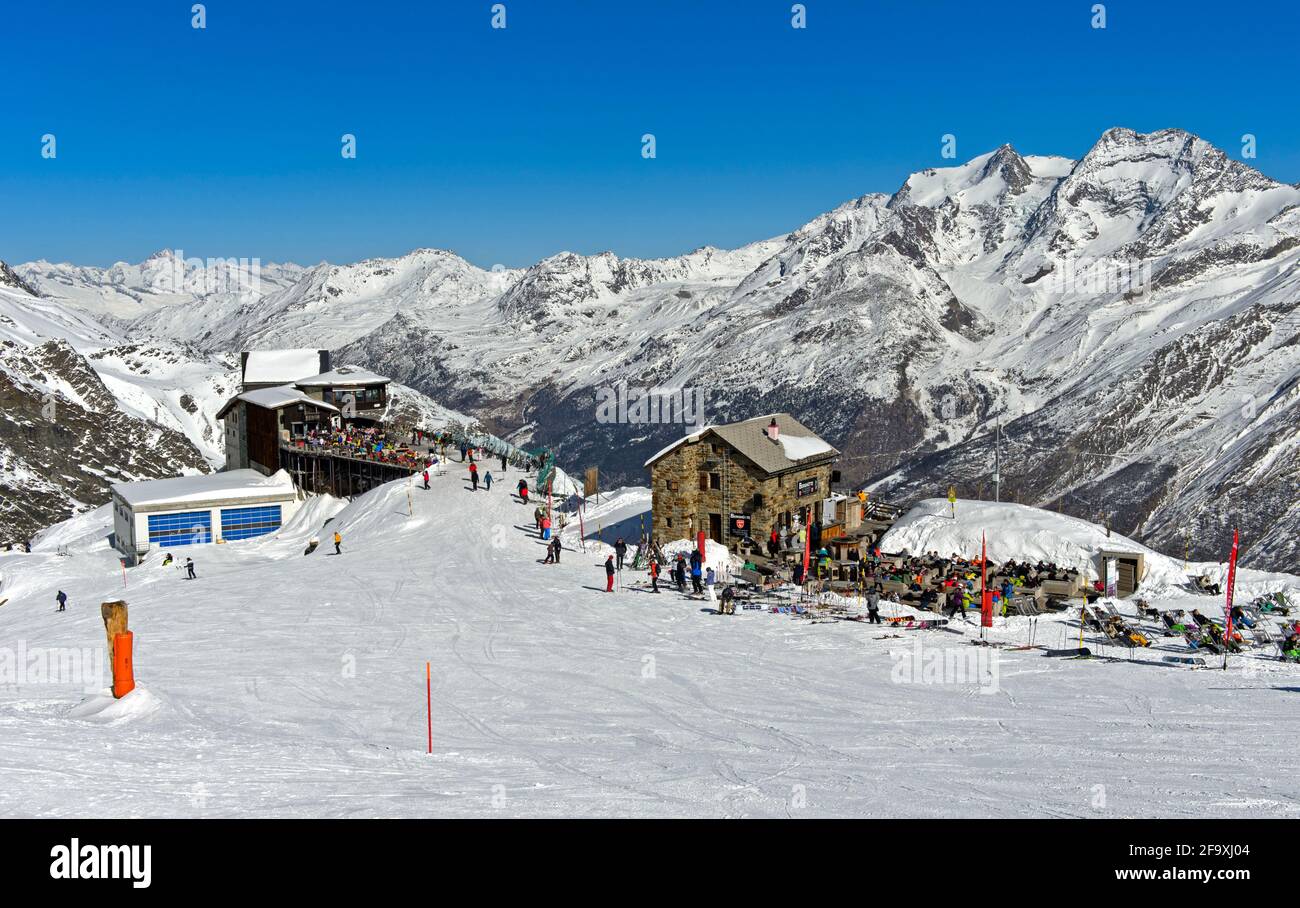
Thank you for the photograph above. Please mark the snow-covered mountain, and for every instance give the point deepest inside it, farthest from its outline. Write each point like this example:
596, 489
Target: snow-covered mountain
1130, 318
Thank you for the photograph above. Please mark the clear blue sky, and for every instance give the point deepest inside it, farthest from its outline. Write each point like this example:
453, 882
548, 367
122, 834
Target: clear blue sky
510, 145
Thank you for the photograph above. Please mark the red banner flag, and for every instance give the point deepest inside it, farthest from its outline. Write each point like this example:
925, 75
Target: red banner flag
1232, 580
700, 542
986, 598
807, 548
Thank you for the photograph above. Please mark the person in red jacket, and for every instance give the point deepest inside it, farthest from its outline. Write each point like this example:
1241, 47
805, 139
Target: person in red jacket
654, 574
473, 475
609, 574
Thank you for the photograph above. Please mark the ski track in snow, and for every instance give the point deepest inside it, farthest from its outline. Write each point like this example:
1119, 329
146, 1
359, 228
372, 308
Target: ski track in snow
540, 707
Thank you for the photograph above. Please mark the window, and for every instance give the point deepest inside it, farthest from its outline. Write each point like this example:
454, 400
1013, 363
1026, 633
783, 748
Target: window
244, 523
668, 522
188, 528
704, 481
715, 481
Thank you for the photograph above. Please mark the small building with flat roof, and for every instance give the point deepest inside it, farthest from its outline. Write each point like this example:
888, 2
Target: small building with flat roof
196, 510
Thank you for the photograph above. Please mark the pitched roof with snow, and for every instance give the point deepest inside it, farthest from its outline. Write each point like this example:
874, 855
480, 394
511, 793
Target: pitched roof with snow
275, 399
189, 490
796, 445
344, 376
280, 367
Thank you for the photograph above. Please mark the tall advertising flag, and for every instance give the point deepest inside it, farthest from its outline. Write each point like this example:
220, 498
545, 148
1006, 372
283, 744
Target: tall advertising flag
1232, 581
986, 598
807, 544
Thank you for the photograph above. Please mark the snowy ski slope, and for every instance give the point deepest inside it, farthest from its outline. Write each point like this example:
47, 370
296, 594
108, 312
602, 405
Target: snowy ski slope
283, 685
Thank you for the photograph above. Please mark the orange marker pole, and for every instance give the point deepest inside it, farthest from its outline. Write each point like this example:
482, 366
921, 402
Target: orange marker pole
428, 691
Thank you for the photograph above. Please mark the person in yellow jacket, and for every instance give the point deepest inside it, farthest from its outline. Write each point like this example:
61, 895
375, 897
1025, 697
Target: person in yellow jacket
338, 543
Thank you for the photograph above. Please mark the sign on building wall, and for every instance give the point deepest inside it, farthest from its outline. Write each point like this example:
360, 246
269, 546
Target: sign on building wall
805, 487
740, 524
591, 481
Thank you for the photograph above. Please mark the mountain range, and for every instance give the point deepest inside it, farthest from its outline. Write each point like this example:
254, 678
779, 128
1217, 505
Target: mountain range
1127, 323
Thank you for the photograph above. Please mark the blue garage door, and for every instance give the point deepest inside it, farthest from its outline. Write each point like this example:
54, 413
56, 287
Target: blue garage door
243, 523
190, 528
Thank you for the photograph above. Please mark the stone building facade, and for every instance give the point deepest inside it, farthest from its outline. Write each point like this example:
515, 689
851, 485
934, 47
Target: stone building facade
737, 479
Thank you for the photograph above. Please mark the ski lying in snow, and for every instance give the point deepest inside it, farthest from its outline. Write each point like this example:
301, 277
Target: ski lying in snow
1078, 652
1185, 660
917, 623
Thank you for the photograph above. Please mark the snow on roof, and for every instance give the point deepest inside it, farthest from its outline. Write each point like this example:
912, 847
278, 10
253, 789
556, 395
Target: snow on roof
1020, 532
280, 367
283, 396
795, 443
188, 490
344, 375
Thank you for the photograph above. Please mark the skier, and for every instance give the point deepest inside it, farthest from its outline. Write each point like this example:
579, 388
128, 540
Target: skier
873, 607
426, 480
545, 525
709, 579
609, 574
62, 599
167, 559
503, 463
654, 575
620, 549
338, 543
679, 573
556, 548
538, 513
473, 475
696, 572
523, 490
728, 601
550, 552
189, 569
487, 481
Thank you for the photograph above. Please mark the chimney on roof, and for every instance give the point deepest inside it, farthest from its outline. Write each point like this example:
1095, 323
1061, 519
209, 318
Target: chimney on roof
324, 361
773, 430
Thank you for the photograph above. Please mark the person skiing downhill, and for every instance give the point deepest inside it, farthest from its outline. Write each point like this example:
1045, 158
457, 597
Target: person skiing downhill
523, 490
189, 569
62, 599
338, 543
487, 481
503, 463
609, 574
473, 475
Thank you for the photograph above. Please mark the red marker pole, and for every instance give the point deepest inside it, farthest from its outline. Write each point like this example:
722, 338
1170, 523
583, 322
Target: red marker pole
428, 692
